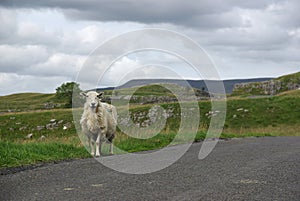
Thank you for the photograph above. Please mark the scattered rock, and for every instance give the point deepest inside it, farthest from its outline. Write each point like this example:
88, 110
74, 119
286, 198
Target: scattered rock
212, 113
29, 136
67, 126
49, 105
42, 137
18, 123
12, 118
60, 122
240, 109
234, 116
22, 128
49, 126
11, 129
38, 128
53, 121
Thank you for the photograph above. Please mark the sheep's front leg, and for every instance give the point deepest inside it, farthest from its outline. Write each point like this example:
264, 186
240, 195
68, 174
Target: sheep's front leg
98, 145
92, 146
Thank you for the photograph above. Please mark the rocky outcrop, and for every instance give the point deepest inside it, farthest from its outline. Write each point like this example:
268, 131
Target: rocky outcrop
271, 87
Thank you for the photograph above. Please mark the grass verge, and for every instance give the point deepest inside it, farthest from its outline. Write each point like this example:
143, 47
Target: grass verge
14, 154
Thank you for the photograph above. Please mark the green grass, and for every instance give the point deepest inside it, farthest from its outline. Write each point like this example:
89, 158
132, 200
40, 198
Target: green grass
153, 90
14, 127
249, 113
14, 154
294, 77
276, 116
28, 101
292, 93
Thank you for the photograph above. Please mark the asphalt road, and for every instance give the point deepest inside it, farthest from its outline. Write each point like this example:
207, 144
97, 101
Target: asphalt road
239, 169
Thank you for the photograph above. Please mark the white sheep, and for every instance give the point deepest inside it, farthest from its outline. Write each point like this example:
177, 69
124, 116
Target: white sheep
98, 122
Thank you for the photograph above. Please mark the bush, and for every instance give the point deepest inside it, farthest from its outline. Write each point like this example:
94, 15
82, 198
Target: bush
66, 91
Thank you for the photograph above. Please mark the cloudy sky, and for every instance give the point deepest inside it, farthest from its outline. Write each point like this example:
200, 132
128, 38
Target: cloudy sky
44, 43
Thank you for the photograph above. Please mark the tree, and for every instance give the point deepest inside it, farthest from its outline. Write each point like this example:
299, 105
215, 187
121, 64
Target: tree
65, 92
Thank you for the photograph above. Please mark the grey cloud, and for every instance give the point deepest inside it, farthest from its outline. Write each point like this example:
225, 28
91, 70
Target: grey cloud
15, 83
16, 59
203, 13
8, 23
12, 32
260, 35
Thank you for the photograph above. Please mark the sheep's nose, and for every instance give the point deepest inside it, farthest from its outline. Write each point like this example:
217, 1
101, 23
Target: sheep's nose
93, 104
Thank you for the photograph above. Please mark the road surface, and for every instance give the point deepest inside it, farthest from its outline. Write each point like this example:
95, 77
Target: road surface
238, 169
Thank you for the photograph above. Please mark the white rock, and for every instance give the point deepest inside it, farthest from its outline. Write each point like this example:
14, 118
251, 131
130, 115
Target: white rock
38, 128
29, 136
52, 121
42, 137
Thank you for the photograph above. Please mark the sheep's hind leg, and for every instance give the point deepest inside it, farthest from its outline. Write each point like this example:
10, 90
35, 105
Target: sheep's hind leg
111, 148
110, 141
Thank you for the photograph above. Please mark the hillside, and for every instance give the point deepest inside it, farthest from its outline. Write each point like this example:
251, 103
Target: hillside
29, 101
292, 93
141, 95
270, 87
198, 84
153, 93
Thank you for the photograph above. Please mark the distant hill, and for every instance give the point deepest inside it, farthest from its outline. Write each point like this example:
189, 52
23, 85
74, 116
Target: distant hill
198, 84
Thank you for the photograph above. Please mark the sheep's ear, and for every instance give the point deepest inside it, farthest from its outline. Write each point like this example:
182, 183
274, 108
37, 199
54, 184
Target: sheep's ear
83, 94
100, 95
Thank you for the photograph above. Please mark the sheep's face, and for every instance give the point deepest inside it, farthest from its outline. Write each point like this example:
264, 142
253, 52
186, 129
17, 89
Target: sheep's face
92, 98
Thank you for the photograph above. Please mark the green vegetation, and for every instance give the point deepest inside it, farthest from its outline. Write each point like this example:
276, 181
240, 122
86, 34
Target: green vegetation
66, 92
26, 101
37, 101
16, 126
292, 78
152, 90
27, 138
291, 93
155, 93
262, 112
16, 154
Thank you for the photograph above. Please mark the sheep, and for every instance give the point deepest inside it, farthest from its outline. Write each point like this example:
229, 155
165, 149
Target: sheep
98, 122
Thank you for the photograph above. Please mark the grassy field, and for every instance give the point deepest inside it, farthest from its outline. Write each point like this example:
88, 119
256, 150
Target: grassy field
28, 101
274, 116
